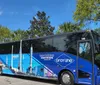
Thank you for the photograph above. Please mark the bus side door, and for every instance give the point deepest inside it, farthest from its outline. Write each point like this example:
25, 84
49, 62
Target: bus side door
85, 62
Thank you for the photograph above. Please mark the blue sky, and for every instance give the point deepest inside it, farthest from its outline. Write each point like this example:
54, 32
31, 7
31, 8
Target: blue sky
17, 13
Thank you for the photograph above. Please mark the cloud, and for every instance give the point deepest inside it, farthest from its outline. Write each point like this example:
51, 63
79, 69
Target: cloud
1, 12
13, 13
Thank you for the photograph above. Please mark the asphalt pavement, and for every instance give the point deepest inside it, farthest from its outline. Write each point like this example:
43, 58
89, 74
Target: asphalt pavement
11, 80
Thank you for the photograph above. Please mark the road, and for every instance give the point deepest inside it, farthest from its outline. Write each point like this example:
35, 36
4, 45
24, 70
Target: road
8, 80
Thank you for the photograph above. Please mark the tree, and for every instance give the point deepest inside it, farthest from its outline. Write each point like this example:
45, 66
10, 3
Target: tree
87, 11
5, 34
19, 35
97, 30
40, 25
68, 27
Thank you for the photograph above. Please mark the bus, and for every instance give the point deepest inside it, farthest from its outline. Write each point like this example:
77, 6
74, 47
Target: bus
71, 58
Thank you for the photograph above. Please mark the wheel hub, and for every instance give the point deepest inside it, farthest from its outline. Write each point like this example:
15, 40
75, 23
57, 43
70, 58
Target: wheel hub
66, 79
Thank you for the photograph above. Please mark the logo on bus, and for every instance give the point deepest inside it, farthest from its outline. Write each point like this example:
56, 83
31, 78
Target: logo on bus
47, 56
64, 60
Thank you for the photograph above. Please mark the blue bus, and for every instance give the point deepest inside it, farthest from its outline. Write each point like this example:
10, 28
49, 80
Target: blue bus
69, 58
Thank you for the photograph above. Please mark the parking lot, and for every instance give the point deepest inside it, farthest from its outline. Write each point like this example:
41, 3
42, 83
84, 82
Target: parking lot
8, 80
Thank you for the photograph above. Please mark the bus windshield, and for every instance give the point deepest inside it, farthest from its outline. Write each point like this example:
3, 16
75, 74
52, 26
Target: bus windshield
97, 49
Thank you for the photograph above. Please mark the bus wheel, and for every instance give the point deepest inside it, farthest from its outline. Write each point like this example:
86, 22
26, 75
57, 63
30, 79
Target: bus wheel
67, 78
0, 70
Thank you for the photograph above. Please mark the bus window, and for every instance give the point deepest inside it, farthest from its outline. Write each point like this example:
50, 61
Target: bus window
85, 50
97, 49
43, 45
59, 43
97, 55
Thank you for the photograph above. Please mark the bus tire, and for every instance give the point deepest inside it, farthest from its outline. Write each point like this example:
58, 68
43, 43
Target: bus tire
67, 78
0, 70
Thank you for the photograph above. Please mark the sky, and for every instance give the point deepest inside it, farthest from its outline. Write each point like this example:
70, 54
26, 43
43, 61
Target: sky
16, 14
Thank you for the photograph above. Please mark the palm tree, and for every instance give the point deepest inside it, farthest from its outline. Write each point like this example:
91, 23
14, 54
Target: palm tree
68, 27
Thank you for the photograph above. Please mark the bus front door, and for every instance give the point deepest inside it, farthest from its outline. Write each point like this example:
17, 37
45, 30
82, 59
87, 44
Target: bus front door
85, 62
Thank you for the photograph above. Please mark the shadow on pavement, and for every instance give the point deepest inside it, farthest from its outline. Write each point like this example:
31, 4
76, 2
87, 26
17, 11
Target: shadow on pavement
33, 79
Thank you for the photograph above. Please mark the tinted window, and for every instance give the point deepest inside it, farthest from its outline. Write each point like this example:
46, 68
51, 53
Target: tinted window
16, 47
26, 46
71, 41
68, 42
43, 45
4, 48
97, 49
65, 43
59, 43
7, 48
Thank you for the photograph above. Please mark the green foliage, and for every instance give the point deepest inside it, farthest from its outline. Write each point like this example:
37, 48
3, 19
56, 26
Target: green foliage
87, 11
68, 27
40, 25
97, 30
19, 35
5, 34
